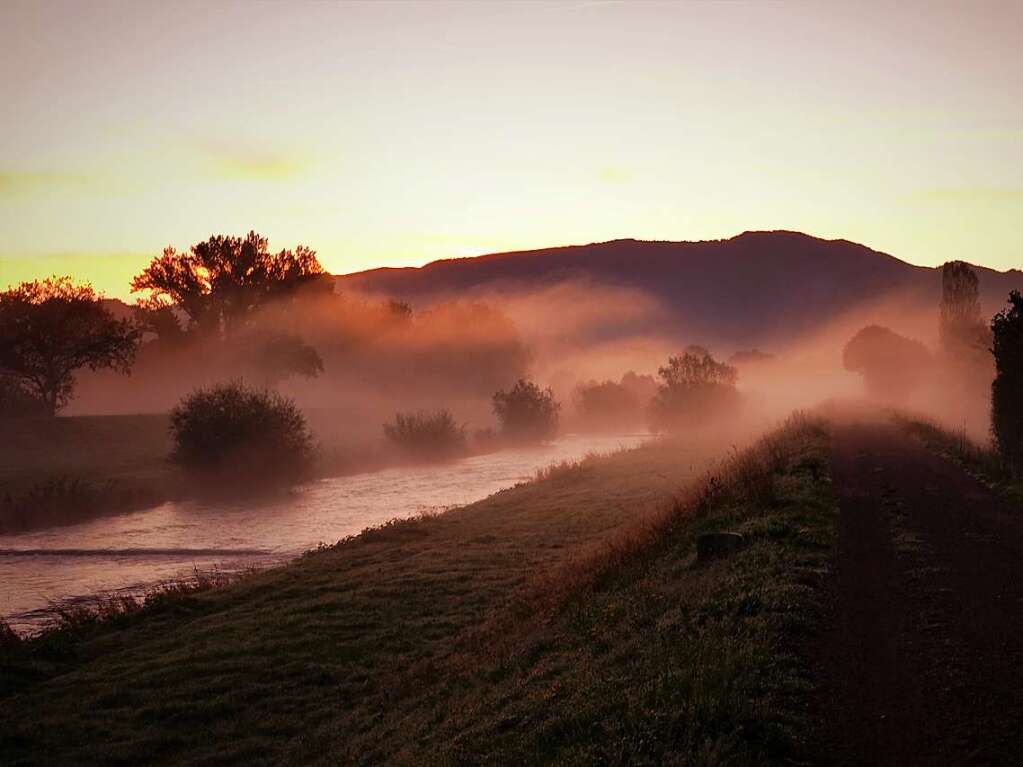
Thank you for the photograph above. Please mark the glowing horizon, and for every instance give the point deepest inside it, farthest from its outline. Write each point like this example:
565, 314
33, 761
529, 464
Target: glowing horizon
395, 135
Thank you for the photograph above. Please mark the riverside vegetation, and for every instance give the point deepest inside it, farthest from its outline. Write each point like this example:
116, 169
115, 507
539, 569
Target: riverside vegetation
561, 620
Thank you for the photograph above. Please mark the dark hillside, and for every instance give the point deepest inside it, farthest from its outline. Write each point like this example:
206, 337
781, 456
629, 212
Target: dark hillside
737, 291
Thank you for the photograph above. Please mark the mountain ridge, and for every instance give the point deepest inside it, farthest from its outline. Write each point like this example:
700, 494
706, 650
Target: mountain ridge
755, 287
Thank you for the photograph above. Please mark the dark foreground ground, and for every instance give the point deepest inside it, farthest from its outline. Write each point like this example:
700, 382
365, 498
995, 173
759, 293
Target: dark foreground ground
923, 660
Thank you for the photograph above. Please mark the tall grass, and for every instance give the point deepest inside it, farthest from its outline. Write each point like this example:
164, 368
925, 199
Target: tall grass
956, 444
748, 478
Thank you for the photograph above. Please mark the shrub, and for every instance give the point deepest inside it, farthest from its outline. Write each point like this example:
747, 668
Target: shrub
695, 390
611, 405
230, 429
527, 412
427, 434
1007, 388
892, 366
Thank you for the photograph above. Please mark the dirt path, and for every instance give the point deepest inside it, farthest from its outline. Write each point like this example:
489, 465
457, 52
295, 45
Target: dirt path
923, 661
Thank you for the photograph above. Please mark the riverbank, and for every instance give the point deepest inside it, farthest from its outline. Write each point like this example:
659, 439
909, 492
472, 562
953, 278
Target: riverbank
65, 470
563, 619
128, 553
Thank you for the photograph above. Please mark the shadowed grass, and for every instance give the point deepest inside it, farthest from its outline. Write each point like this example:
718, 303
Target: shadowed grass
981, 461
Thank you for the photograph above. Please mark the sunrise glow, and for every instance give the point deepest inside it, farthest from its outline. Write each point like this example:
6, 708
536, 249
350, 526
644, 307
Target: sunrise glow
399, 134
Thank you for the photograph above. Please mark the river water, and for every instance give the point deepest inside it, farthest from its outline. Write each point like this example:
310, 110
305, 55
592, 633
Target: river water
128, 552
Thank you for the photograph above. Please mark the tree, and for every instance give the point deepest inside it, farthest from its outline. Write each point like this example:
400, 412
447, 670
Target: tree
611, 405
892, 366
527, 412
16, 401
695, 389
220, 281
401, 310
960, 326
231, 430
276, 356
52, 328
1007, 388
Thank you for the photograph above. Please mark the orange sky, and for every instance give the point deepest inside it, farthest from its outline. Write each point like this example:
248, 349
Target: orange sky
390, 134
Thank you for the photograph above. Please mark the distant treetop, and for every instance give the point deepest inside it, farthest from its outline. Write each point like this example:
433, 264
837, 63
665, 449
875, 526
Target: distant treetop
220, 281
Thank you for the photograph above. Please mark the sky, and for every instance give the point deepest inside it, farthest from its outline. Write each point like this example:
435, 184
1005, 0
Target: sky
393, 134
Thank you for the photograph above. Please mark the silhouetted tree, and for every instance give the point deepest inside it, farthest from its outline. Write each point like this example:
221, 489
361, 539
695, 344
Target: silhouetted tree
612, 405
892, 366
277, 356
1007, 388
695, 389
231, 430
51, 328
219, 282
162, 322
400, 309
960, 307
527, 412
16, 401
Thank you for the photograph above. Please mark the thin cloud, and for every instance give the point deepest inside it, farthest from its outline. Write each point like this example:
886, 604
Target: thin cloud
15, 183
968, 194
245, 163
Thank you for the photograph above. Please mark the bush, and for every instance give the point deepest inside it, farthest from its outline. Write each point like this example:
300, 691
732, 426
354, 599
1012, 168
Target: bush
1007, 388
696, 389
231, 429
611, 405
427, 434
527, 412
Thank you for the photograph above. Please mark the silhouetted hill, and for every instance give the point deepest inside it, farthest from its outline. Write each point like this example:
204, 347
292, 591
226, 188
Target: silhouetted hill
753, 288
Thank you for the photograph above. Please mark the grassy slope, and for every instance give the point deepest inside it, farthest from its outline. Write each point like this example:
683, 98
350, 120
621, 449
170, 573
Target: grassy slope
487, 628
981, 462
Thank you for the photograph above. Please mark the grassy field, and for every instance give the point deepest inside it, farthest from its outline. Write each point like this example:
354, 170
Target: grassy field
562, 620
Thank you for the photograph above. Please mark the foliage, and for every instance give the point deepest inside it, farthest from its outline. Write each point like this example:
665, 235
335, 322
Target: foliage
892, 365
231, 429
695, 389
610, 404
1007, 388
425, 434
527, 412
960, 323
402, 310
276, 356
16, 401
51, 328
218, 283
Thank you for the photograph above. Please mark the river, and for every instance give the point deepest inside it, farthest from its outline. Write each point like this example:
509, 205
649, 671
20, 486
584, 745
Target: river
129, 552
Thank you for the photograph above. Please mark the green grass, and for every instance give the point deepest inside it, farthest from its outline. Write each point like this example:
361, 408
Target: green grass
563, 620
